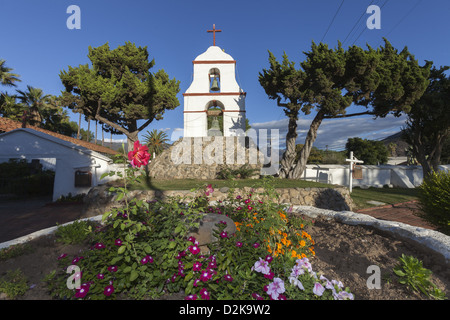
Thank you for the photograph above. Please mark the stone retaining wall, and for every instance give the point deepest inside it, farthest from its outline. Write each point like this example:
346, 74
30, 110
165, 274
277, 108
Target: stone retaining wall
99, 199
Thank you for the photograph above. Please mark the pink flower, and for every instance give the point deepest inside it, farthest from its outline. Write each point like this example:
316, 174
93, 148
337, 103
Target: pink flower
205, 276
227, 277
62, 256
99, 245
82, 292
108, 290
249, 208
275, 288
204, 294
100, 276
257, 296
239, 244
139, 156
194, 249
262, 266
269, 258
224, 234
112, 268
209, 190
118, 242
197, 266
318, 289
76, 259
191, 239
256, 245
191, 297
270, 275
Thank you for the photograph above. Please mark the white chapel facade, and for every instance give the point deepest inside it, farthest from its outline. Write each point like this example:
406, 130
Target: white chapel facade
214, 92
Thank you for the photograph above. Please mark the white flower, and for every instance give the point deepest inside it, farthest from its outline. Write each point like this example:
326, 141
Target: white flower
318, 289
275, 288
262, 266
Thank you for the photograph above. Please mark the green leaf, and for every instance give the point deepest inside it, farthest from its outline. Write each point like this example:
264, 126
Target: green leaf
127, 269
178, 229
133, 276
172, 244
121, 249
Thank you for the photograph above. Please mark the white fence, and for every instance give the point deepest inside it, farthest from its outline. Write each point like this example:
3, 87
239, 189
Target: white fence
372, 176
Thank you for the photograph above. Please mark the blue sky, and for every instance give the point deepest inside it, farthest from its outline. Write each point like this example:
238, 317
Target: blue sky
37, 44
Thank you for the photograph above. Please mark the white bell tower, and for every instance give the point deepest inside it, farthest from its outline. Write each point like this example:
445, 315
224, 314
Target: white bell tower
214, 92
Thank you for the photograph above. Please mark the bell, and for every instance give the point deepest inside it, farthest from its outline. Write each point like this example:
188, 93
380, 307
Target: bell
215, 85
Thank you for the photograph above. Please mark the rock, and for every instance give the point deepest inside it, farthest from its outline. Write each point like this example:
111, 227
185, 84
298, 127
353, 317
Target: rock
205, 233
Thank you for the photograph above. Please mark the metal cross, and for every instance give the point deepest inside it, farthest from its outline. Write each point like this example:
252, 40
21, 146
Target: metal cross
214, 30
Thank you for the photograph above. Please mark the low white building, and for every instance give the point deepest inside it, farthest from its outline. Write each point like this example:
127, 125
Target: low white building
368, 175
77, 167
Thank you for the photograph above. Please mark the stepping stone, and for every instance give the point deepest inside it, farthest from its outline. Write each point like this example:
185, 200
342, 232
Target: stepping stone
376, 203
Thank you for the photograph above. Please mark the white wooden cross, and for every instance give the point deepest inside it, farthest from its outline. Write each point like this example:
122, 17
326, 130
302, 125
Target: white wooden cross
352, 161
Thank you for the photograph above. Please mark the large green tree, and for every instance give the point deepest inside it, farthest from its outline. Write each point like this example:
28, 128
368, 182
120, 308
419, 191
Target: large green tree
428, 124
37, 104
380, 81
370, 151
119, 89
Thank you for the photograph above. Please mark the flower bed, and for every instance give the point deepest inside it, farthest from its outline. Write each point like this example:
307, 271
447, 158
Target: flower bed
144, 250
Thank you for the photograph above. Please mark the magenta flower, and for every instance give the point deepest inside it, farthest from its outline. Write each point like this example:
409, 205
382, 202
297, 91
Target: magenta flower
99, 245
269, 258
256, 245
247, 201
191, 297
191, 239
270, 275
108, 290
76, 259
212, 265
318, 289
204, 294
227, 277
257, 296
82, 292
197, 266
239, 244
249, 208
144, 260
62, 256
205, 276
118, 242
194, 249
100, 276
209, 190
112, 268
224, 234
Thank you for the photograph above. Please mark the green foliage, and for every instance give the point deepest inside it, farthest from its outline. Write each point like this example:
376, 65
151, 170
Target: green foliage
144, 249
14, 284
434, 200
412, 274
243, 172
119, 89
20, 178
14, 251
155, 141
74, 233
370, 151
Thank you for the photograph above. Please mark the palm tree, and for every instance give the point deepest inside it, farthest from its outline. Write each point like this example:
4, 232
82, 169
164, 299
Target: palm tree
36, 102
156, 141
6, 77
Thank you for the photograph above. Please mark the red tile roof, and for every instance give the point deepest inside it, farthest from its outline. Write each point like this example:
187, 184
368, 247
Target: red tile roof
8, 125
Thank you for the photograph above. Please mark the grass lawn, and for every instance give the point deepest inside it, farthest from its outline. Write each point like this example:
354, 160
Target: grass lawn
385, 195
359, 196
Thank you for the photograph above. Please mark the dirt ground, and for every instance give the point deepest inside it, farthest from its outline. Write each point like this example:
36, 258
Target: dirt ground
343, 253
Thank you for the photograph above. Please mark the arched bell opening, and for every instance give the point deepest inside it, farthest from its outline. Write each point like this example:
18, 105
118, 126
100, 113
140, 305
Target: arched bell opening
214, 80
214, 114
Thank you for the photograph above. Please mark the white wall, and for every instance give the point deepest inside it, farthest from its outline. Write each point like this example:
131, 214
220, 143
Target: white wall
66, 157
375, 176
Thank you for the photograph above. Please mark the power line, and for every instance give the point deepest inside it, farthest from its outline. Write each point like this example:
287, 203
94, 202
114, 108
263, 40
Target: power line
403, 18
364, 29
354, 26
332, 20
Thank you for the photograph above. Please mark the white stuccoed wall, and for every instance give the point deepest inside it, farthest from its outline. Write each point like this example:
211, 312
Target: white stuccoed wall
66, 158
373, 176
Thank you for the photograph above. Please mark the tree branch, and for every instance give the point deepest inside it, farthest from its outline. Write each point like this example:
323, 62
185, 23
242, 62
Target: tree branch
104, 120
349, 115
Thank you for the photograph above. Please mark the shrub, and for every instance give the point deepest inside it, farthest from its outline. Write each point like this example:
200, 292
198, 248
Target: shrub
74, 233
15, 251
14, 284
434, 200
243, 172
144, 250
412, 274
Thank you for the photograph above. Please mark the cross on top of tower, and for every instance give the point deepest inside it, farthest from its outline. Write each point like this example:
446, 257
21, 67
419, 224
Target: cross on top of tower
214, 30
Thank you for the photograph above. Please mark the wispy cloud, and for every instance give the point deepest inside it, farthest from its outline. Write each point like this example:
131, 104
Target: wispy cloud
335, 132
